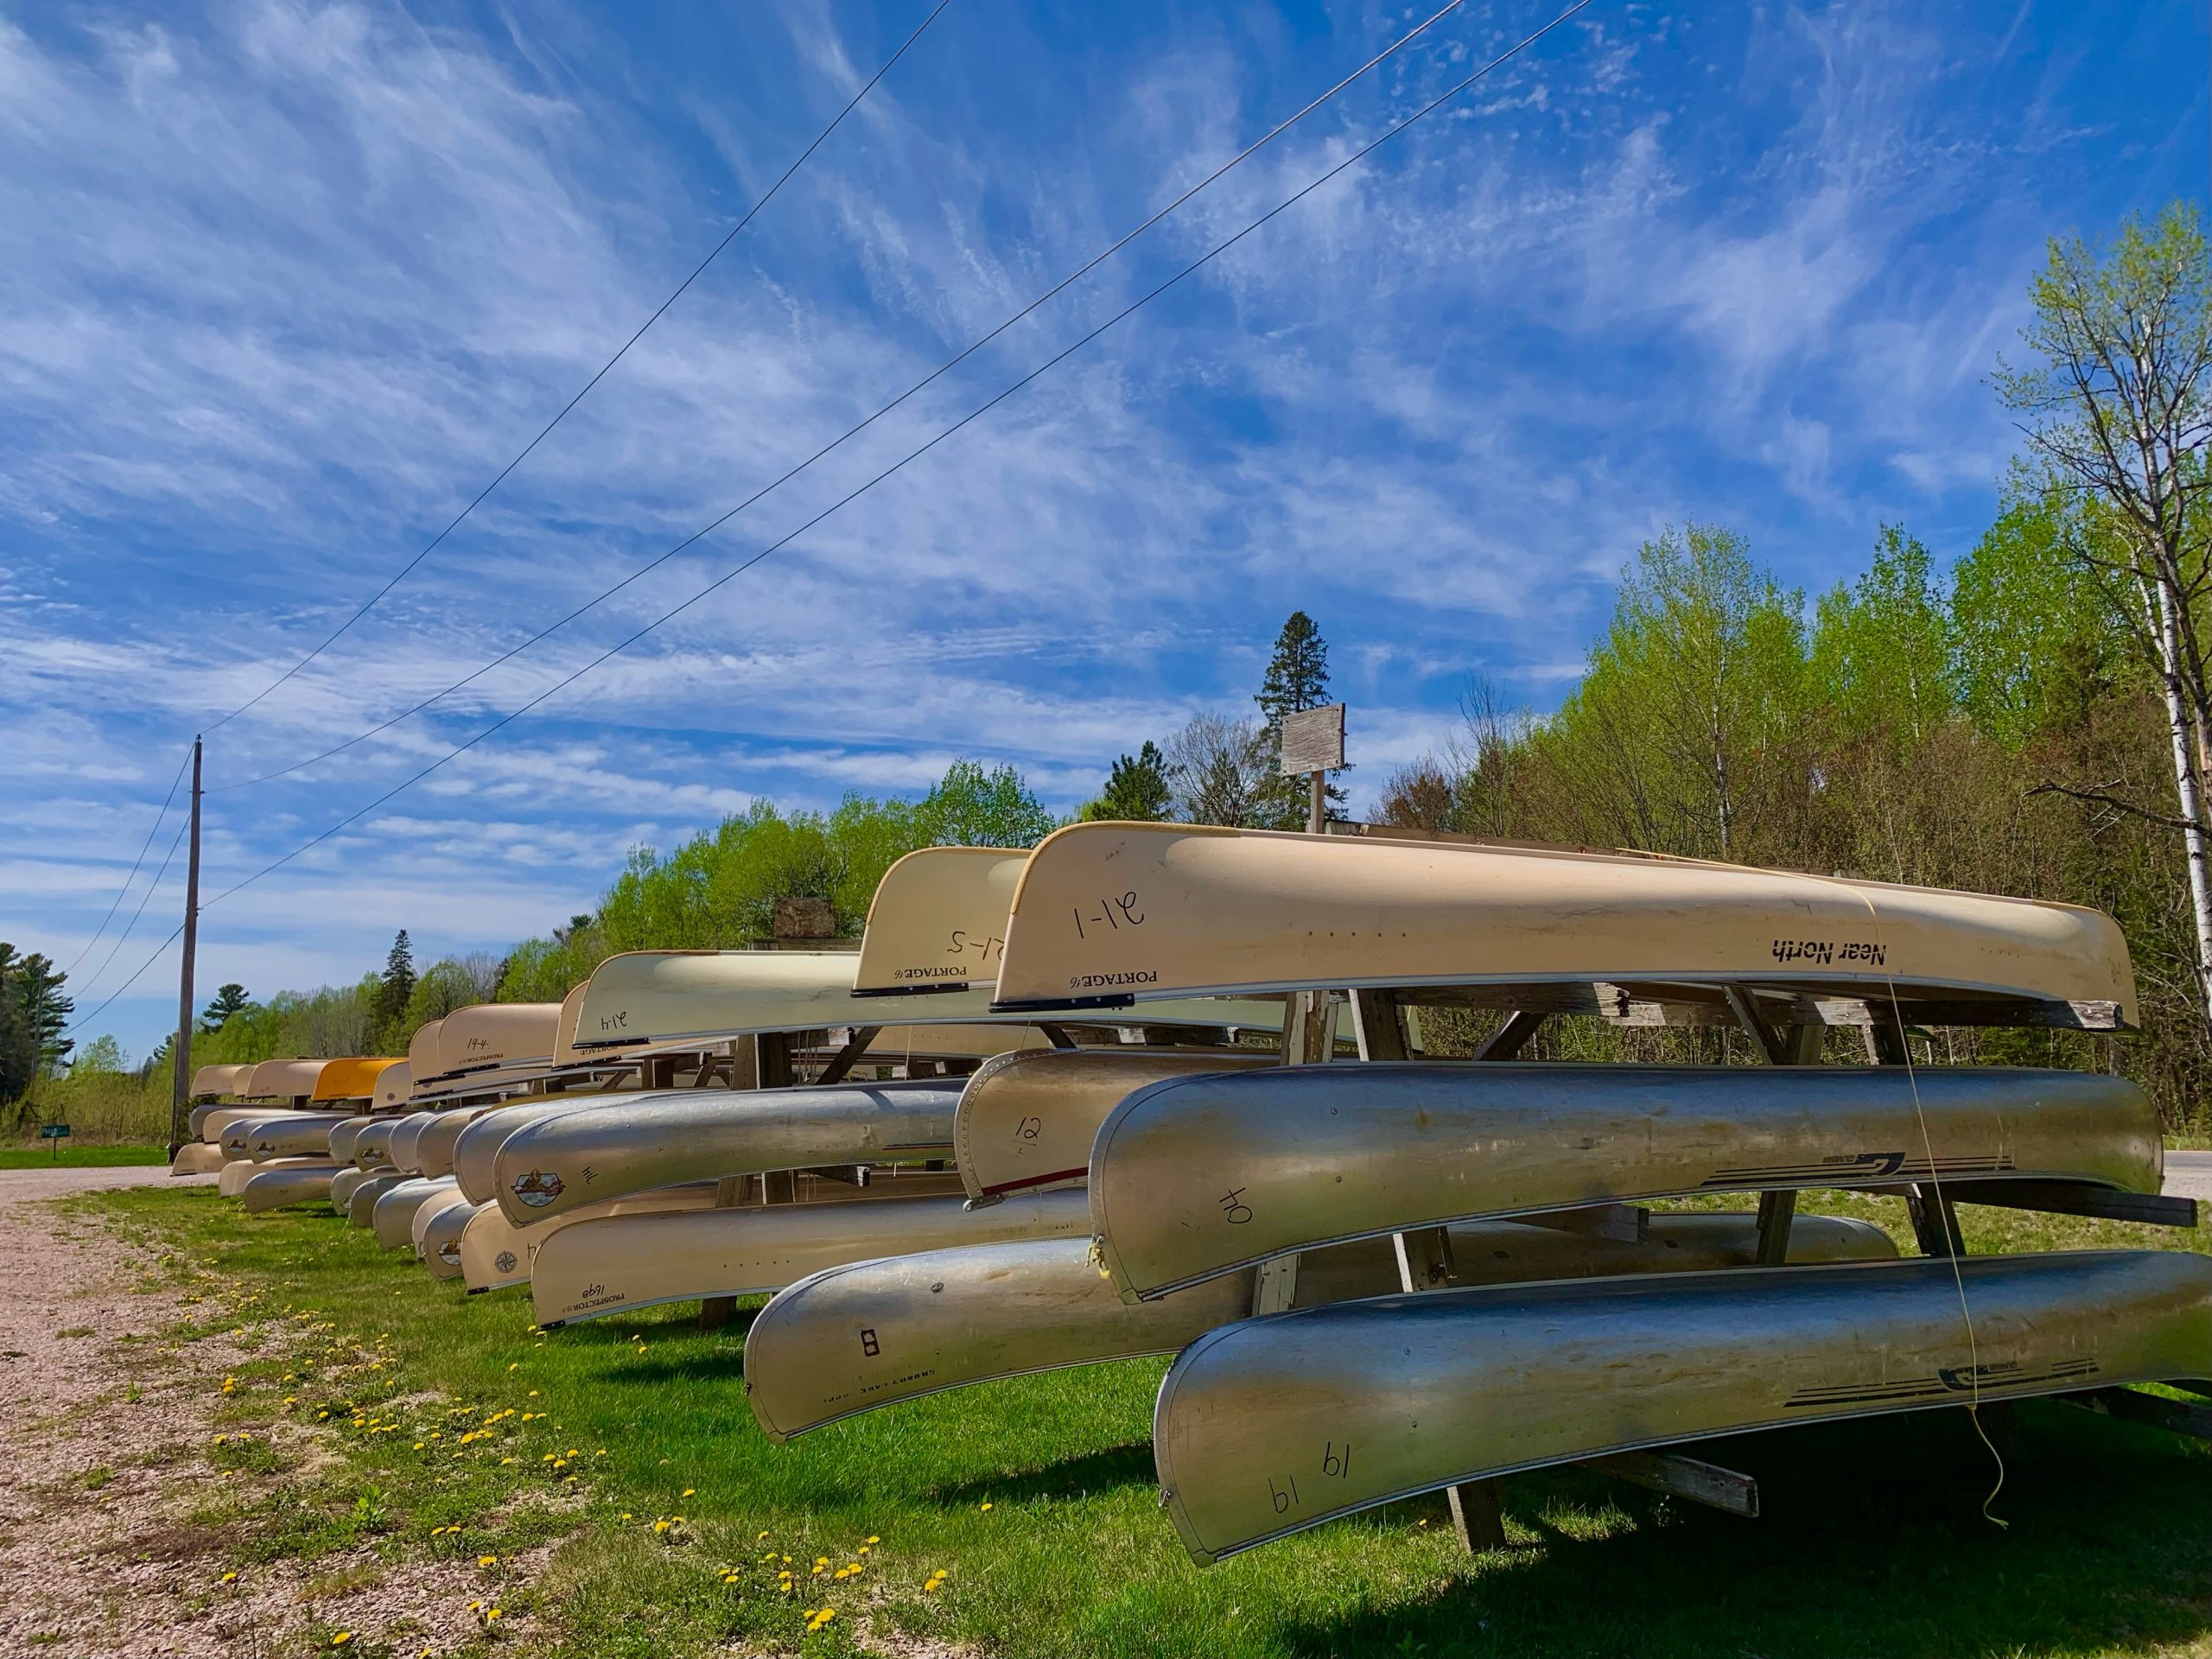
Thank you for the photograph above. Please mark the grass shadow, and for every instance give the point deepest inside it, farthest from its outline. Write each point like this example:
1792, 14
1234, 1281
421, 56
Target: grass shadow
1093, 1472
1872, 1540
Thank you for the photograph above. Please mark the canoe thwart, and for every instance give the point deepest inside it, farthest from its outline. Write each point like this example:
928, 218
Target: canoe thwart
1691, 1478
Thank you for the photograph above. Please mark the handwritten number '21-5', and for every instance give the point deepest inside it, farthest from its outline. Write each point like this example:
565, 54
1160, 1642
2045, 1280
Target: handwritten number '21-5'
1113, 913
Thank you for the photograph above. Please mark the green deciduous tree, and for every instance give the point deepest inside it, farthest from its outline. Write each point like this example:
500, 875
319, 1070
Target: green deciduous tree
2114, 400
971, 807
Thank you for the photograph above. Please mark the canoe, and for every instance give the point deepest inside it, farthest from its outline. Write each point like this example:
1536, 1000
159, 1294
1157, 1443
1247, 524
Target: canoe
402, 1144
342, 1185
496, 1255
353, 1078
685, 996
372, 1148
231, 1182
1204, 1175
1109, 912
937, 920
345, 1136
392, 1218
395, 1084
433, 1145
242, 1133
283, 1080
197, 1157
642, 1141
361, 1208
1026, 1121
621, 1263
437, 1231
852, 1339
287, 1181
1273, 1425
423, 1061
485, 1035
306, 1134
478, 1144
210, 1080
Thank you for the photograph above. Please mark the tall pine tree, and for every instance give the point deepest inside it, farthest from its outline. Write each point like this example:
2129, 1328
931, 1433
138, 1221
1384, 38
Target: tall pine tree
1297, 679
1136, 791
393, 990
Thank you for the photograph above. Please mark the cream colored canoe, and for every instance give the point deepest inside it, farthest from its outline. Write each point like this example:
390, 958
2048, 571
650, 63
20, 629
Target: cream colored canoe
642, 1141
283, 1080
626, 1263
353, 1078
1204, 1175
395, 1084
671, 996
849, 1339
393, 1219
496, 1255
1026, 1121
211, 1080
1110, 912
937, 920
436, 1232
487, 1035
197, 1157
341, 1187
287, 1181
304, 1136
1273, 1425
361, 1208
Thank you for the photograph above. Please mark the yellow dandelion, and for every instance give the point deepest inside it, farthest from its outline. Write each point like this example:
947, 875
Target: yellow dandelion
492, 1613
872, 1538
487, 1561
987, 1503
342, 1638
228, 1577
660, 1526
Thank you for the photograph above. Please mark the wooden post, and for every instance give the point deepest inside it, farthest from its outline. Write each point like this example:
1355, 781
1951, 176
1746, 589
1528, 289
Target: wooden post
180, 1070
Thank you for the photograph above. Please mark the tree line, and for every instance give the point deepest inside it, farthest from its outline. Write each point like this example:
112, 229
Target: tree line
2034, 719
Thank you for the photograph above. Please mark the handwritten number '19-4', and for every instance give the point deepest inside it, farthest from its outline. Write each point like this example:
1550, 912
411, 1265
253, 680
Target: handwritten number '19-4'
1114, 914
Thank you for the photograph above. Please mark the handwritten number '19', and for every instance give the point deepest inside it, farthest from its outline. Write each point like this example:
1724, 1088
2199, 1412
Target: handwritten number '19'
1114, 914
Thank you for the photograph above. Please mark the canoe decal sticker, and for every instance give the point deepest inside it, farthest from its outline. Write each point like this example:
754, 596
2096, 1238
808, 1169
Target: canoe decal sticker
1867, 1165
2006, 1374
505, 1262
450, 1251
537, 1189
1826, 953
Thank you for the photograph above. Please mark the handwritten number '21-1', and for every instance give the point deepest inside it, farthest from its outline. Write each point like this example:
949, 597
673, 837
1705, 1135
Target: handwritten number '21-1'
1114, 913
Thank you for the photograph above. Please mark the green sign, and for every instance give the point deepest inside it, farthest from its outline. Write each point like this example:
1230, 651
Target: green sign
52, 1131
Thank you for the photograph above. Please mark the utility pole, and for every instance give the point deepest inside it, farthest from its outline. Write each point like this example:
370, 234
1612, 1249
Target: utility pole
180, 1079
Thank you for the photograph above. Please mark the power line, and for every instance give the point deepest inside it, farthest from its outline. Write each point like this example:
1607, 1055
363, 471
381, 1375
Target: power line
84, 1020
1074, 277
377, 598
174, 841
1203, 259
143, 847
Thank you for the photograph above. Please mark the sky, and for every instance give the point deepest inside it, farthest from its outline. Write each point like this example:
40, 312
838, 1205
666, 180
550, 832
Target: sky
285, 284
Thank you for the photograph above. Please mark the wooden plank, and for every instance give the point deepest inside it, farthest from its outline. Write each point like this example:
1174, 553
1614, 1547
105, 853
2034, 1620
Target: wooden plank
1684, 1478
1935, 1223
1313, 739
1275, 1286
1510, 1038
1424, 1259
2076, 1198
1478, 1515
1776, 1210
841, 1064
1379, 1026
772, 1051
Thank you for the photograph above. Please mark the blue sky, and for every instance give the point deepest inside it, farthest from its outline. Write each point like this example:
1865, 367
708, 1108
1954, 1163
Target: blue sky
284, 284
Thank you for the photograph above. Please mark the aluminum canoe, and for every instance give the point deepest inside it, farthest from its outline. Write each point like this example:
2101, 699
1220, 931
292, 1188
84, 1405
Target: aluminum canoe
392, 1219
238, 1172
624, 1263
438, 1227
342, 1185
476, 1148
241, 1133
1208, 1174
361, 1208
1026, 1121
287, 1181
1273, 1425
648, 1141
1109, 911
434, 1142
307, 1134
372, 1146
211, 1120
343, 1135
852, 1339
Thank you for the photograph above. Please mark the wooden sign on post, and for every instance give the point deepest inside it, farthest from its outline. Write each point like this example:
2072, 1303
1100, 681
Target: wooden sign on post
1313, 739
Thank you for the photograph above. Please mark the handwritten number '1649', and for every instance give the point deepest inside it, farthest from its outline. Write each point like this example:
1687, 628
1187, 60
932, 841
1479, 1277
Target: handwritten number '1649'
1114, 914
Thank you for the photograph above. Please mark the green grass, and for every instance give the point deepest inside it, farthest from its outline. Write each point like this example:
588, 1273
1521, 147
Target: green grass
1873, 1541
42, 1154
